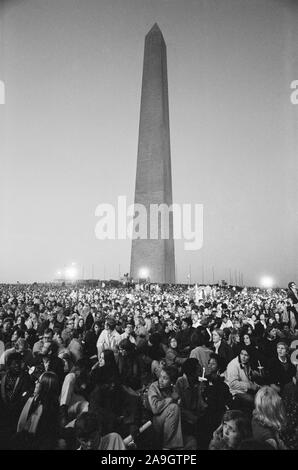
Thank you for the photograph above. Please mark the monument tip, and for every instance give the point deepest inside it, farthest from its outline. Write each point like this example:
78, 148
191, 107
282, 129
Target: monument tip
155, 29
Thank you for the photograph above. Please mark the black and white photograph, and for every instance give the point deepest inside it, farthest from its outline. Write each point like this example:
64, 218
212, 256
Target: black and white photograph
149, 228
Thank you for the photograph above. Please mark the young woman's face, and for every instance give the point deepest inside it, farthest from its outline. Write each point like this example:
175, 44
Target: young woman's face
173, 343
246, 340
96, 329
101, 361
281, 351
216, 337
164, 380
213, 366
129, 329
244, 357
14, 336
230, 433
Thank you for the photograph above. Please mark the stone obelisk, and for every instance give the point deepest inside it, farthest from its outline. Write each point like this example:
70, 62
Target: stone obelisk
154, 258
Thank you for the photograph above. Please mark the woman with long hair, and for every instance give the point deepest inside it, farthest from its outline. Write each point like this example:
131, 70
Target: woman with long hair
234, 429
234, 341
91, 338
40, 415
105, 390
269, 417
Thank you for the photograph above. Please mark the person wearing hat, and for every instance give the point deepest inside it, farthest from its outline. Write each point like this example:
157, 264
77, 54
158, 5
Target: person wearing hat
109, 338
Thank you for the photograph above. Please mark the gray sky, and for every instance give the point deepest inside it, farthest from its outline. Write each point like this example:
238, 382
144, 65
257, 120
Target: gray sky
69, 131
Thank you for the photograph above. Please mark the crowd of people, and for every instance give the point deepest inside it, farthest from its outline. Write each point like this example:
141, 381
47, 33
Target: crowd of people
91, 367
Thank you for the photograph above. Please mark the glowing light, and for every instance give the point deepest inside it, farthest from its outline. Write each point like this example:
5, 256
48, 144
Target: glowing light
267, 282
71, 273
144, 273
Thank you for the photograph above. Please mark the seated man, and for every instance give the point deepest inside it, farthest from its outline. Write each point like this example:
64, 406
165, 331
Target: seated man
241, 379
166, 412
281, 369
88, 435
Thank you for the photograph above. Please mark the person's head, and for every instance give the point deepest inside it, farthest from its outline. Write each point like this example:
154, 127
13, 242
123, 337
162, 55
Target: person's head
110, 324
191, 368
126, 348
96, 327
48, 335
249, 329
47, 388
269, 408
244, 356
88, 431
292, 285
236, 428
129, 329
217, 336
186, 323
282, 350
67, 360
246, 339
70, 324
167, 377
21, 346
277, 317
155, 339
17, 333
7, 325
173, 343
202, 337
107, 358
49, 349
215, 364
20, 321
234, 337
14, 363
272, 332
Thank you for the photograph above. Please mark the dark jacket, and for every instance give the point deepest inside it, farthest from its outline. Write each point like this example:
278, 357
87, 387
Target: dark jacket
225, 352
281, 374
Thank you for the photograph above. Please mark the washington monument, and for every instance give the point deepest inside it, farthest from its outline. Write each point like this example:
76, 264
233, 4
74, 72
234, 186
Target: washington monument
154, 259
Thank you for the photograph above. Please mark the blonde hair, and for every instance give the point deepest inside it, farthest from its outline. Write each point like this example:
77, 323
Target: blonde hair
269, 409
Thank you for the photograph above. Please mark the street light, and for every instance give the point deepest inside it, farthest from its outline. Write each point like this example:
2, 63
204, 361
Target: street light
267, 282
71, 273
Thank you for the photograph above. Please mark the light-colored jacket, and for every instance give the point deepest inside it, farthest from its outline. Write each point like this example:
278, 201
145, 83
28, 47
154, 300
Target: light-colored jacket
108, 340
238, 377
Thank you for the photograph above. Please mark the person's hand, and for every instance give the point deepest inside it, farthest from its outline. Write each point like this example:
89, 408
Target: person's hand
175, 397
253, 386
218, 432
